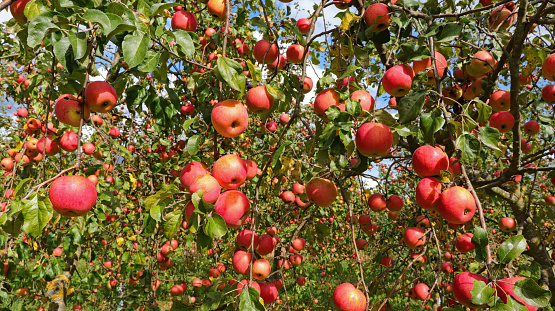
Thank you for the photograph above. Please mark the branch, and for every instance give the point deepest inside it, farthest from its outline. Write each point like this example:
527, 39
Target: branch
4, 4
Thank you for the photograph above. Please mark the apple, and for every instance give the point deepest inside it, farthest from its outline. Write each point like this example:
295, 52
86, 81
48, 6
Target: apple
386, 262
420, 291
505, 287
100, 96
268, 292
500, 101
23, 291
549, 200
447, 267
548, 93
72, 195
374, 139
346, 297
394, 203
301, 280
108, 264
361, 244
454, 166
17, 9
218, 9
243, 49
241, 261
531, 127
266, 245
230, 118
284, 264
364, 98
184, 20
485, 2
279, 63
299, 244
284, 118
209, 184
22, 112
321, 191
548, 68
501, 18
115, 132
287, 196
261, 268
68, 110
33, 124
463, 243
429, 161
197, 282
414, 237
462, 287
7, 164
507, 224
421, 65
419, 260
376, 202
427, 193
57, 252
304, 25
482, 63
502, 120
214, 273
271, 126
245, 239
298, 188
96, 119
259, 100
176, 290
456, 205
191, 171
326, 99
252, 169
233, 206
187, 109
375, 11
230, 171
265, 52
88, 148
295, 53
307, 84
397, 80
245, 283
69, 141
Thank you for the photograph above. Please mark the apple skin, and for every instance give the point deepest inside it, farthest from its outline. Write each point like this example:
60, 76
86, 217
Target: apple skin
252, 169
505, 287
454, 166
88, 148
397, 80
463, 243
298, 188
115, 132
395, 203
69, 141
241, 261
429, 161
284, 118
507, 224
531, 127
261, 268
326, 99
191, 171
265, 245
456, 205
232, 205
187, 109
268, 292
501, 18
462, 287
176, 290
500, 101
414, 237
259, 100
279, 63
304, 25
230, 118
307, 84
208, 183
260, 49
374, 139
421, 65
7, 164
427, 193
17, 9
101, 96
72, 195
386, 262
481, 63
502, 120
366, 100
548, 68
361, 244
217, 9
376, 202
245, 238
245, 283
373, 12
299, 244
420, 292
68, 110
548, 93
230, 171
321, 191
184, 20
447, 267
295, 53
346, 297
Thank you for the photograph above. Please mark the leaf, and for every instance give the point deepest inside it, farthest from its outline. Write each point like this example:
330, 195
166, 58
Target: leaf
249, 300
413, 51
511, 249
384, 117
172, 223
489, 137
96, 16
481, 293
254, 71
21, 186
156, 212
349, 71
353, 107
78, 44
215, 226
38, 28
512, 305
230, 72
134, 49
470, 147
37, 212
151, 61
480, 240
193, 144
185, 42
430, 123
347, 20
276, 93
532, 293
410, 106
484, 111
449, 32
160, 7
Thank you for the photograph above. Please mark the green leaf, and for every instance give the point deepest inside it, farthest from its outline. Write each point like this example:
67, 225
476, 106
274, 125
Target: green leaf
349, 71
203, 241
481, 293
37, 212
185, 42
62, 51
134, 49
160, 7
489, 137
279, 152
276, 93
450, 32
480, 240
413, 51
250, 300
96, 16
384, 117
470, 147
529, 291
78, 44
33, 9
172, 223
484, 111
215, 226
156, 212
151, 61
21, 186
193, 144
254, 71
353, 107
230, 72
511, 249
410, 106
430, 123
39, 27
512, 305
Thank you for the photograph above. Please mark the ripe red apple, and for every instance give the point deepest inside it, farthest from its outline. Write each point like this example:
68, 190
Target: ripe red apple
420, 291
243, 49
217, 8
456, 205
69, 141
374, 139
298, 188
230, 118
232, 205
427, 193
268, 292
326, 99
266, 245
386, 262
7, 164
209, 184
500, 101
259, 100
191, 171
265, 52
17, 9
548, 68
395, 203
245, 238
397, 80
301, 280
414, 237
271, 126
187, 109
307, 84
115, 132
279, 63
88, 148
463, 243
57, 252
68, 110
72, 195
376, 202
361, 244
284, 118
421, 65
429, 161
184, 20
241, 261
462, 287
299, 244
176, 290
252, 169
447, 267
507, 224
501, 18
502, 120
548, 93
532, 127
230, 171
346, 297
364, 98
101, 96
245, 283
261, 268
304, 25
295, 53
505, 287
375, 11
321, 191
482, 62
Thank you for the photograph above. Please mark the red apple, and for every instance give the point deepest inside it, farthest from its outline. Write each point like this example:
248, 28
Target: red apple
429, 161
395, 203
230, 171
72, 195
462, 287
414, 237
507, 224
326, 99
245, 239
233, 206
502, 120
259, 100
548, 68
505, 287
68, 110
397, 80
100, 96
321, 191
427, 193
184, 20
463, 243
500, 101
532, 127
374, 139
377, 16
456, 205
346, 297
304, 25
265, 52
209, 184
376, 202
230, 118
295, 53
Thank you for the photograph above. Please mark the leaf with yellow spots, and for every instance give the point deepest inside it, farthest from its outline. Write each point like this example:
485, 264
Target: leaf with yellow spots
133, 181
120, 241
347, 20
228, 253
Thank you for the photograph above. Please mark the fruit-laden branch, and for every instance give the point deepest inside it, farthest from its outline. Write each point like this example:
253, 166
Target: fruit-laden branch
4, 4
537, 249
